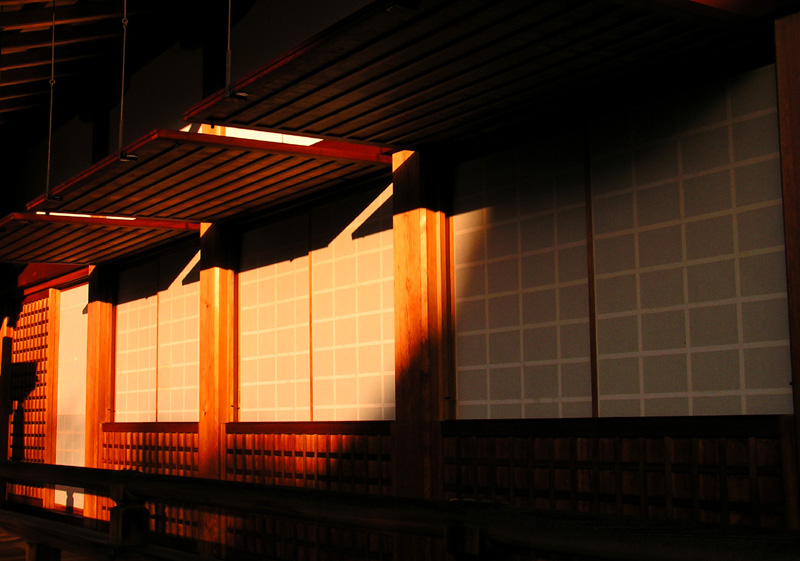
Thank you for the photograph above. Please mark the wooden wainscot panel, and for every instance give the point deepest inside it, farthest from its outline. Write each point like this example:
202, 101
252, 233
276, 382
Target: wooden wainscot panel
729, 470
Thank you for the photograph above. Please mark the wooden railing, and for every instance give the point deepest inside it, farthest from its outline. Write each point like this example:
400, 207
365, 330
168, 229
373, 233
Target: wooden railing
333, 456
467, 527
724, 470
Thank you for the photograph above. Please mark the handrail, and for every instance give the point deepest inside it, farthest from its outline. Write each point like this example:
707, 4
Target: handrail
467, 526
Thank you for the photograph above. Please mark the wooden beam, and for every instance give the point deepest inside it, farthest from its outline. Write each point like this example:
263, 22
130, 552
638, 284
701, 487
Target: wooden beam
118, 222
787, 45
99, 370
421, 325
217, 351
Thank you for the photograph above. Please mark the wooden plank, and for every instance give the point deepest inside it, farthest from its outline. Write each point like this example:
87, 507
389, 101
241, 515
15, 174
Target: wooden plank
99, 370
787, 63
217, 352
307, 427
51, 386
421, 302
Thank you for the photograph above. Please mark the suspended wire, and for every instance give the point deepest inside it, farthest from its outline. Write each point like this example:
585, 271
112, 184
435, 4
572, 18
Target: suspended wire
52, 88
228, 56
122, 90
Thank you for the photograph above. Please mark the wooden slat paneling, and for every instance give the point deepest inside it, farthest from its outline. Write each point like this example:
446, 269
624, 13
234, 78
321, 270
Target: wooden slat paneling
728, 470
163, 448
29, 380
339, 456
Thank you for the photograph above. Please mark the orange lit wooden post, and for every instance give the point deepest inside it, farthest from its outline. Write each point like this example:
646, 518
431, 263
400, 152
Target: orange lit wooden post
51, 387
421, 322
787, 45
99, 371
217, 332
6, 339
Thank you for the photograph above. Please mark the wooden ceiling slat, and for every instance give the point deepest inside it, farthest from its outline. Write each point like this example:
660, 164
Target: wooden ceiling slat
452, 50
27, 20
113, 174
186, 175
229, 194
557, 71
391, 50
481, 69
78, 243
121, 196
512, 107
473, 87
115, 244
191, 195
14, 43
325, 179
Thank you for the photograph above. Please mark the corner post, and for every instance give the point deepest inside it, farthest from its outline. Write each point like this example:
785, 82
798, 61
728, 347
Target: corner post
422, 310
217, 382
99, 370
787, 45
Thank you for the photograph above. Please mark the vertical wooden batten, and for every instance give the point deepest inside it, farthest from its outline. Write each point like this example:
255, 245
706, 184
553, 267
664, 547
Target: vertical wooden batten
99, 369
51, 387
787, 46
217, 376
421, 325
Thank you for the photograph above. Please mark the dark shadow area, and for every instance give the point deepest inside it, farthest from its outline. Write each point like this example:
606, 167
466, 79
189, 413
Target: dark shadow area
299, 231
146, 278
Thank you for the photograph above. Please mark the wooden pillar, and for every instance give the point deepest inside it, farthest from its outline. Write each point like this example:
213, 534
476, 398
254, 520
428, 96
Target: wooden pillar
6, 405
217, 383
787, 47
99, 370
51, 387
421, 326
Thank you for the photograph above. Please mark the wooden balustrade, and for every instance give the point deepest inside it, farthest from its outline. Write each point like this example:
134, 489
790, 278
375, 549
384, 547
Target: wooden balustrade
468, 527
729, 470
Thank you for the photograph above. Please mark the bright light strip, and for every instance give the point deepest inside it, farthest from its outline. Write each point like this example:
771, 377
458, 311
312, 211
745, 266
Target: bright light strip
70, 215
75, 215
247, 134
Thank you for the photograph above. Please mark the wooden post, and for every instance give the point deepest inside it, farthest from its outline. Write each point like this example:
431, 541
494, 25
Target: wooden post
421, 326
787, 47
6, 405
217, 382
51, 387
99, 370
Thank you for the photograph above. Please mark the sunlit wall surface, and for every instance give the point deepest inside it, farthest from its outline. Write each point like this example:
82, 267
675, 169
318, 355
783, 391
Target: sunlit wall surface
316, 314
688, 252
157, 340
71, 423
274, 342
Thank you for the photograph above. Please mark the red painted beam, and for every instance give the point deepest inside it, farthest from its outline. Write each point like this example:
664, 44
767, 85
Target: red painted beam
146, 223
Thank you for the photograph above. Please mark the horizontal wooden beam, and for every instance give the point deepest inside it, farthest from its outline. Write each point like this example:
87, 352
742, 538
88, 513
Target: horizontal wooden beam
186, 427
369, 428
722, 426
121, 222
90, 544
325, 149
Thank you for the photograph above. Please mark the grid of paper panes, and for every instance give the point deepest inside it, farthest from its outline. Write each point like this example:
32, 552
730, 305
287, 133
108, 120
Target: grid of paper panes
689, 255
521, 292
71, 414
316, 314
157, 340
